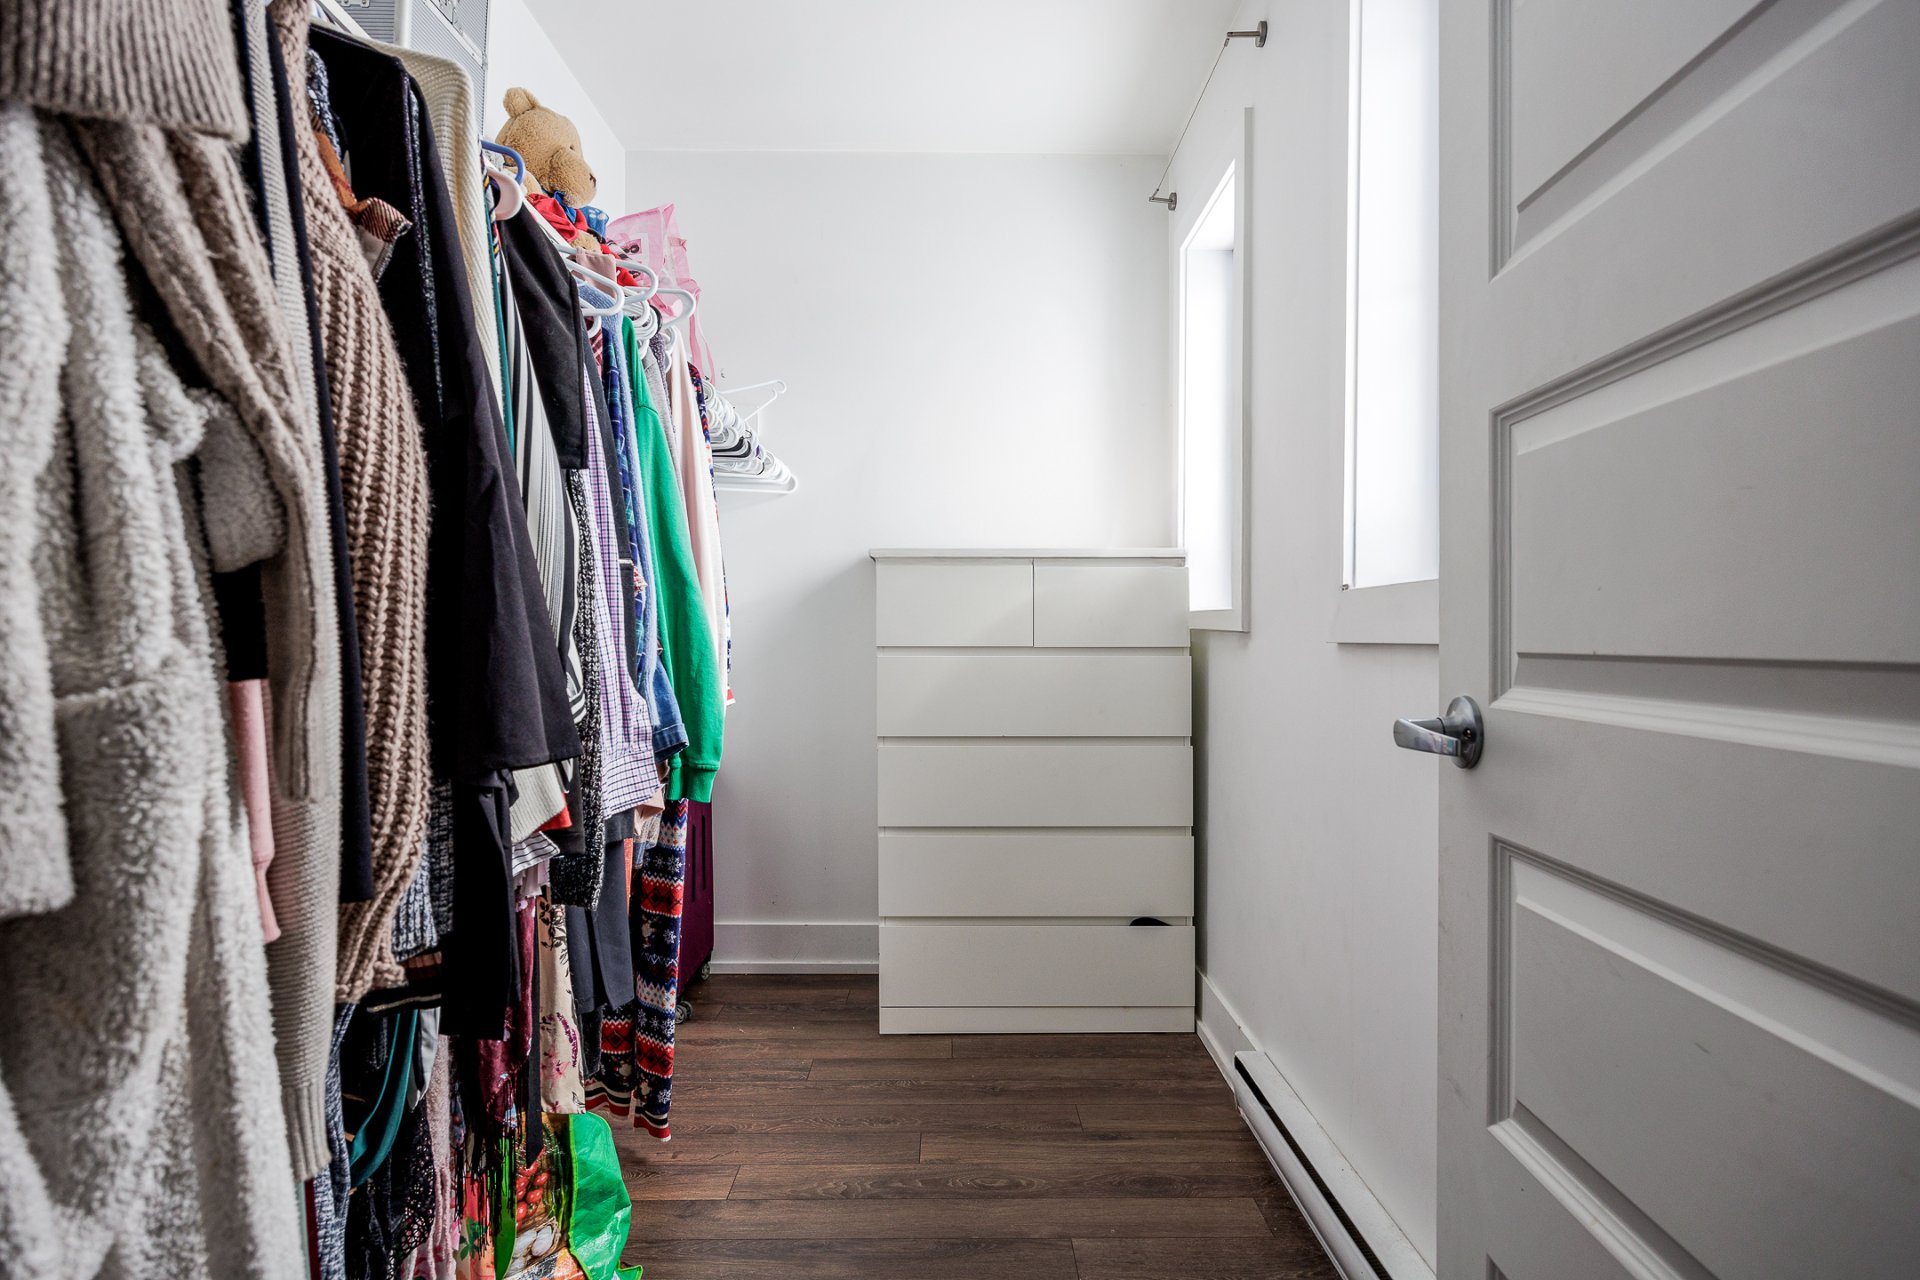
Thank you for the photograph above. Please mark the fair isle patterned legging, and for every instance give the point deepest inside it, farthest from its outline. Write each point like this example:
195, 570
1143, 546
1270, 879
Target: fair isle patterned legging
636, 1044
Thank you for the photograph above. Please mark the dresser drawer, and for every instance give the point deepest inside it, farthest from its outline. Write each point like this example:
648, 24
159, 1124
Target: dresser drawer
1094, 604
1009, 783
959, 603
1015, 965
1036, 873
1111, 694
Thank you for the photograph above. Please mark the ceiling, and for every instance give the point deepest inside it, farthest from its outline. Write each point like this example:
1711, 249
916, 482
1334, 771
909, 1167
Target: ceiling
1034, 76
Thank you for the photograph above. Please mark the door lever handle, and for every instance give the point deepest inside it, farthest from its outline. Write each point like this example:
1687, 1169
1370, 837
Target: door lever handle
1460, 733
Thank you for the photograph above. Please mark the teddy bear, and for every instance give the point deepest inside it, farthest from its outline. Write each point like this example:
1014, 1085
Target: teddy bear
550, 145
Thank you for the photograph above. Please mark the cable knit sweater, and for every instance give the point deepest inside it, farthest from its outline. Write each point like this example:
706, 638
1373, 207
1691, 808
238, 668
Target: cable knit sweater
383, 476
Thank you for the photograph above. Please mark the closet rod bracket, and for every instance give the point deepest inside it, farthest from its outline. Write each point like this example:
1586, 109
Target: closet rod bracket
1171, 200
1258, 35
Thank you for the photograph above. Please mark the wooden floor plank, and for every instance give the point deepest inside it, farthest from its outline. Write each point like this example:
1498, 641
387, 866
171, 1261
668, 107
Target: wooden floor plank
857, 1260
696, 1071
1106, 1046
1205, 1259
1145, 1092
1218, 1148
756, 1021
679, 1181
697, 1116
850, 1020
775, 1148
1223, 1115
742, 1048
775, 986
944, 1219
1117, 1070
937, 1158
1006, 1180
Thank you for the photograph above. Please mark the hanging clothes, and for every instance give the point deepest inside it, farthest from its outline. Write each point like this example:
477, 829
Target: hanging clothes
688, 650
361, 592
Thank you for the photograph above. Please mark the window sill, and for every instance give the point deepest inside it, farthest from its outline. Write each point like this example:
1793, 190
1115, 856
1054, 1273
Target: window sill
1403, 613
1216, 620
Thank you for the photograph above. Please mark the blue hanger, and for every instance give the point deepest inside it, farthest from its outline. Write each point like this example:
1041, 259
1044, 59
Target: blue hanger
519, 165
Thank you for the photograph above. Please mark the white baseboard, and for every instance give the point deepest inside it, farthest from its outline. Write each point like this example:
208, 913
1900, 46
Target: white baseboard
795, 946
1220, 1028
1336, 1202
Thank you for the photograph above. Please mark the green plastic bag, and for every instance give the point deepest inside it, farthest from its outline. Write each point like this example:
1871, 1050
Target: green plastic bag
600, 1209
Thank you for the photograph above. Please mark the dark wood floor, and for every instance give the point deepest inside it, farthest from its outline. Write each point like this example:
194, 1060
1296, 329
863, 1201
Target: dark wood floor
807, 1146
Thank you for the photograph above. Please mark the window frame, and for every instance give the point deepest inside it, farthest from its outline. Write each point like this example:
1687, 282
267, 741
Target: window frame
1209, 172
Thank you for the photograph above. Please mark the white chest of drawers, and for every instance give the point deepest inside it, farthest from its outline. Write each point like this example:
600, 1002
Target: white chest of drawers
1036, 791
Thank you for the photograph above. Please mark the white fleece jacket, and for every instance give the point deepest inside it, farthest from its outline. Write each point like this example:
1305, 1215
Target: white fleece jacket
140, 1125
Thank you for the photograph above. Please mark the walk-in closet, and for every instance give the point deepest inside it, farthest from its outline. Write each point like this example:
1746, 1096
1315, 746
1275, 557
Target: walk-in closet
919, 639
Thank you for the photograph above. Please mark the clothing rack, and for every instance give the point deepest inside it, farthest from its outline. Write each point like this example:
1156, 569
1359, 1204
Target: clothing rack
778, 477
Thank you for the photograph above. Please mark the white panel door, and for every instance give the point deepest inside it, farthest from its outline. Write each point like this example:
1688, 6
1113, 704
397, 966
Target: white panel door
1680, 463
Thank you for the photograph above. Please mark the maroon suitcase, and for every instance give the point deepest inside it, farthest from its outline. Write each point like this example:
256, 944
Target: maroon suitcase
696, 896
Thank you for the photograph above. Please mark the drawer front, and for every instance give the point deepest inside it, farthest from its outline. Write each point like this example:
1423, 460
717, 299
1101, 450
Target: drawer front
1002, 783
1006, 965
1091, 604
1113, 694
1036, 873
969, 603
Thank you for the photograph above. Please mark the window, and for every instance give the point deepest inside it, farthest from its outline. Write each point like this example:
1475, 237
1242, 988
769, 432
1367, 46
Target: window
1393, 235
1211, 294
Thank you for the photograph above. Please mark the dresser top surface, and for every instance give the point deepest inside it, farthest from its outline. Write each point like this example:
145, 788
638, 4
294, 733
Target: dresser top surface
1173, 555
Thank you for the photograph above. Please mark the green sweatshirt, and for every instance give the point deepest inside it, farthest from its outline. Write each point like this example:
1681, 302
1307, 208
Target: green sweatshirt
686, 644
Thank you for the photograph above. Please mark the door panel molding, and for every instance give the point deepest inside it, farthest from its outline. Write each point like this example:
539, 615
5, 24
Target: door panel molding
1839, 1061
1867, 256
1635, 1241
1879, 1029
1706, 86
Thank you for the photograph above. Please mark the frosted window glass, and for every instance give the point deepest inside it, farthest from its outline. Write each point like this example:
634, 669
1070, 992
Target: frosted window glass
1393, 455
1210, 409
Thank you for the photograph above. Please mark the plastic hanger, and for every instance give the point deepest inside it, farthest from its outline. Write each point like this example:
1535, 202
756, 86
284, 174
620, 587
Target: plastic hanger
508, 196
589, 279
777, 385
686, 313
519, 165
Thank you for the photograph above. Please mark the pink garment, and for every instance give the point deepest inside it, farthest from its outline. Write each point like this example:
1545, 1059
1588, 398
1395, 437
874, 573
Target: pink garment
247, 701
653, 237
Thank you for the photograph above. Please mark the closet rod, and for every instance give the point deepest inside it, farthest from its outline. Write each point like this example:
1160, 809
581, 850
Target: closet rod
335, 15
1259, 37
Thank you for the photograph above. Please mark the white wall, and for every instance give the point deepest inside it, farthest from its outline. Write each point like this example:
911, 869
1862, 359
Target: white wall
976, 349
519, 53
1318, 837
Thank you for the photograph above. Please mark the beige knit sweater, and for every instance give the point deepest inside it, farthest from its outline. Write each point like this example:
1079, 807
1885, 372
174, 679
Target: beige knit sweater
383, 479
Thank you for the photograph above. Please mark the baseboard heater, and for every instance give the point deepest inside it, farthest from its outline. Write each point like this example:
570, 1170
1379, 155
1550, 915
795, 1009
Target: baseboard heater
1363, 1241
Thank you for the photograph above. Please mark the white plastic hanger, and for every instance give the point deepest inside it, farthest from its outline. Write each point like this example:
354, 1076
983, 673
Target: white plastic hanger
508, 195
778, 386
686, 313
